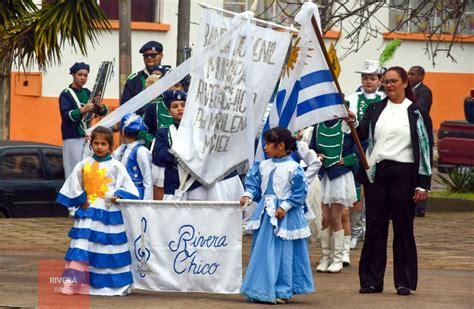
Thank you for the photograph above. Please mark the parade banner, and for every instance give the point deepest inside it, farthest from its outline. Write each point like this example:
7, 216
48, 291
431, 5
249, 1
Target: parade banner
185, 246
227, 97
172, 77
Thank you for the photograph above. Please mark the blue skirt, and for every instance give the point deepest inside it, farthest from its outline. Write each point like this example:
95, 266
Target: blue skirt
278, 268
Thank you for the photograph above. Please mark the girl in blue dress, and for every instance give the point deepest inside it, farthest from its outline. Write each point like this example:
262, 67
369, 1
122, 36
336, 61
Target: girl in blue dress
279, 264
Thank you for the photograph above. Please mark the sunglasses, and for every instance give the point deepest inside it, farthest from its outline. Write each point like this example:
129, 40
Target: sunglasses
152, 56
390, 81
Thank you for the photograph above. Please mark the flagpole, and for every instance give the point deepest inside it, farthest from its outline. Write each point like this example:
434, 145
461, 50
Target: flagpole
291, 29
351, 124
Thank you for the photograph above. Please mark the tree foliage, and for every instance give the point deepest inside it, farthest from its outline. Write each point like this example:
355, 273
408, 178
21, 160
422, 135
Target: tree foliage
31, 35
359, 20
12, 9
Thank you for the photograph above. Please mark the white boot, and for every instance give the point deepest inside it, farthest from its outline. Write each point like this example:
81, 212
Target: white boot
357, 227
325, 250
338, 248
354, 241
346, 251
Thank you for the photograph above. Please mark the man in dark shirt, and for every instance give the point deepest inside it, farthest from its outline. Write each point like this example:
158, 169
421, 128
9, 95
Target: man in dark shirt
152, 53
424, 98
423, 94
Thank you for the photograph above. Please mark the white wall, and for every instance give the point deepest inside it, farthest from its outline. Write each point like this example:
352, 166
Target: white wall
409, 53
57, 77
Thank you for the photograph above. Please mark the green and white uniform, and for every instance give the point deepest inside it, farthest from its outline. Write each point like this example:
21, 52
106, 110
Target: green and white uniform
360, 100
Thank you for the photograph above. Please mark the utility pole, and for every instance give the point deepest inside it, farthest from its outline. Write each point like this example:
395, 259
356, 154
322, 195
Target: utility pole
5, 104
184, 19
125, 42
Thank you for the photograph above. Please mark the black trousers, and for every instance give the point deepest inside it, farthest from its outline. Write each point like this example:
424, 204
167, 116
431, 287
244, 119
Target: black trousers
390, 197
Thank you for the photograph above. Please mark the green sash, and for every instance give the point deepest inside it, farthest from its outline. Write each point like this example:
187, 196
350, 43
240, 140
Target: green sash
162, 114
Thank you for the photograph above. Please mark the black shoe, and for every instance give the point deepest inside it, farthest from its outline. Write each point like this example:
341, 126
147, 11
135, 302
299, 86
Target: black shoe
420, 213
346, 264
403, 291
369, 290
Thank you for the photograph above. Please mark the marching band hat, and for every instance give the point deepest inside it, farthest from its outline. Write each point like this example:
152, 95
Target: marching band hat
132, 123
162, 68
173, 95
371, 67
79, 66
151, 45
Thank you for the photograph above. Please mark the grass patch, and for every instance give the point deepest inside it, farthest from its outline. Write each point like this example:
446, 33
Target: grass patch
448, 194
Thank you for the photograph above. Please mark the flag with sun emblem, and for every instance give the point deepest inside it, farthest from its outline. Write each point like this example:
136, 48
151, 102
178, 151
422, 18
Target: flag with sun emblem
307, 93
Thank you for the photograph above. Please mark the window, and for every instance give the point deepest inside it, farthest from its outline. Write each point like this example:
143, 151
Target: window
21, 166
281, 12
439, 16
236, 6
55, 164
142, 10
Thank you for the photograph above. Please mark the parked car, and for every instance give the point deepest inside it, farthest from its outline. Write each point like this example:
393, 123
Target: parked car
455, 145
31, 175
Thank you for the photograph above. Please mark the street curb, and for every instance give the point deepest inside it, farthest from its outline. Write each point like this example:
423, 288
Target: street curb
442, 204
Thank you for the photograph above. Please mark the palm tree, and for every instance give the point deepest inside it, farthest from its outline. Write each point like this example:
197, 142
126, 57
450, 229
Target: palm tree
32, 35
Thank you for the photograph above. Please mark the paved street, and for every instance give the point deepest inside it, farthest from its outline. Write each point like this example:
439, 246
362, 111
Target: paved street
445, 250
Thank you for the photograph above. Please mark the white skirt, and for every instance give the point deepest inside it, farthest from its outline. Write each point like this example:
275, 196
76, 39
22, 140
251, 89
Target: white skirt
230, 189
340, 190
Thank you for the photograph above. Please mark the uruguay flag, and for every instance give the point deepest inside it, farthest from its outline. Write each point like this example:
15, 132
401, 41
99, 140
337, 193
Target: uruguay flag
307, 93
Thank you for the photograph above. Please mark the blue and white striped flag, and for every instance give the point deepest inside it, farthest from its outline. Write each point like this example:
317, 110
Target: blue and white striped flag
307, 93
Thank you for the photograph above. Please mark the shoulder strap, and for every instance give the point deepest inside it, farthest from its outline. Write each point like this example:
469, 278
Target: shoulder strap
131, 76
74, 96
82, 120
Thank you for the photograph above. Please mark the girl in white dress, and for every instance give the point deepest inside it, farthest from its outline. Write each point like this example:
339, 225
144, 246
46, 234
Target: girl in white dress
98, 259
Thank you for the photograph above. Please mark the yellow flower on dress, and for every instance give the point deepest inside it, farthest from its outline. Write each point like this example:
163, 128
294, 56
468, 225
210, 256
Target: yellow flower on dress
95, 181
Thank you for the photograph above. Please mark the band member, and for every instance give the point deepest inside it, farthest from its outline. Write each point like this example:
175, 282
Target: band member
134, 156
152, 53
77, 111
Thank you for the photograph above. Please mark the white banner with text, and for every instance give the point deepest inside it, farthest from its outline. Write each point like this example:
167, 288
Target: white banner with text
228, 96
185, 246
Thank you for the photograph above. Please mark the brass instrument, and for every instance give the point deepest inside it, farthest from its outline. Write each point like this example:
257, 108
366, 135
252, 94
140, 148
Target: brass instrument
104, 74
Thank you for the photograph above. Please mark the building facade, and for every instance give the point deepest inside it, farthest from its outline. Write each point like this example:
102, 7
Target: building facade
34, 108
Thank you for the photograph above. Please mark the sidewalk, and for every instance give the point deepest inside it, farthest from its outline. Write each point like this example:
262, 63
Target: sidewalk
445, 252
435, 185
